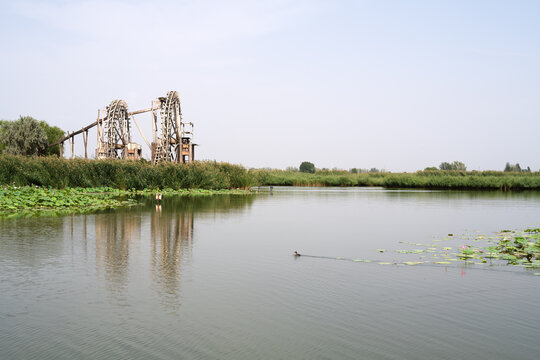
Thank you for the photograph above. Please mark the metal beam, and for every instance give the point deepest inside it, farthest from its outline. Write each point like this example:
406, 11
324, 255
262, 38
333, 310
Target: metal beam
86, 128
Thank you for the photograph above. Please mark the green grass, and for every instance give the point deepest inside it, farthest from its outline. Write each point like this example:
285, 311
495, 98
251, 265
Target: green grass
208, 175
119, 174
433, 179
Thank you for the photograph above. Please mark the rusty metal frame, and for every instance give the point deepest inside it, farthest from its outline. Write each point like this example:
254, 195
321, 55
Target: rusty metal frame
172, 139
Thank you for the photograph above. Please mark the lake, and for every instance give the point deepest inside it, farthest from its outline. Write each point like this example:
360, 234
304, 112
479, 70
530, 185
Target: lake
214, 278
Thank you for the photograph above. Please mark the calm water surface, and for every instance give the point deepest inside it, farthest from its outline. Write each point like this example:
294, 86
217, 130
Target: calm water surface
213, 278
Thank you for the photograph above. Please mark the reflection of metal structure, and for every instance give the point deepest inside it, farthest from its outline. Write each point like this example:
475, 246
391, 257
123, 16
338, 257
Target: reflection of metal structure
113, 234
114, 137
174, 141
171, 243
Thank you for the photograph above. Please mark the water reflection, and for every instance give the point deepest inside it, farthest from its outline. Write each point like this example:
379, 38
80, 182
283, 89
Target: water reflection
172, 236
31, 242
171, 244
168, 240
182, 281
115, 232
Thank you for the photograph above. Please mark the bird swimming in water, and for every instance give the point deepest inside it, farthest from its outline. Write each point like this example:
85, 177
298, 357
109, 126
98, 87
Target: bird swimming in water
296, 253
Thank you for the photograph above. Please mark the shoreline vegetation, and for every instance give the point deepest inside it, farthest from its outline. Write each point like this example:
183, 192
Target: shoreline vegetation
427, 179
18, 201
60, 173
53, 184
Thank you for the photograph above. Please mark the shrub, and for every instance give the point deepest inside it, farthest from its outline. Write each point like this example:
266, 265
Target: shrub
23, 137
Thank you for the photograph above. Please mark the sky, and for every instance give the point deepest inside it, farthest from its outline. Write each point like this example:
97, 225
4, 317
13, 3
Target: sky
396, 85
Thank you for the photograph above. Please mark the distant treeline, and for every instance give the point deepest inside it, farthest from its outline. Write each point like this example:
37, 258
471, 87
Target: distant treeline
124, 174
428, 179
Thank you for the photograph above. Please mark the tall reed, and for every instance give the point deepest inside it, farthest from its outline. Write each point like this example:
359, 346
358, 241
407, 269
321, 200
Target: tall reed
60, 173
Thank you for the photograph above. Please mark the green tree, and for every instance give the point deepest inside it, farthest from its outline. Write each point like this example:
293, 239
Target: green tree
3, 123
354, 171
54, 133
515, 168
307, 167
456, 165
23, 137
445, 166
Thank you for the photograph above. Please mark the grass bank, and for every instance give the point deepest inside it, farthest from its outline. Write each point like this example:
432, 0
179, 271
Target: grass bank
431, 179
139, 175
65, 173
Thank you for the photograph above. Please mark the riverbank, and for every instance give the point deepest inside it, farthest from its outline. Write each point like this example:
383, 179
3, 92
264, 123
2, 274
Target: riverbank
210, 175
121, 174
431, 179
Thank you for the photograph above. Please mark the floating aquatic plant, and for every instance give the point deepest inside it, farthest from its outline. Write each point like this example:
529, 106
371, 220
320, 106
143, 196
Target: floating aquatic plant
36, 200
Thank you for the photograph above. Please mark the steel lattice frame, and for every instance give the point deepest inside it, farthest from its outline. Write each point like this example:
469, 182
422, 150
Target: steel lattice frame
167, 147
114, 133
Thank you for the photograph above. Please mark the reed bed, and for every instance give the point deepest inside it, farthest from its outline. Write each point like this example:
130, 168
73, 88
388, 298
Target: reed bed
432, 179
61, 173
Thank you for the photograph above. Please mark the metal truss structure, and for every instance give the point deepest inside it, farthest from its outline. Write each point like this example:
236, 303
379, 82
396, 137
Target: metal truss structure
172, 138
114, 132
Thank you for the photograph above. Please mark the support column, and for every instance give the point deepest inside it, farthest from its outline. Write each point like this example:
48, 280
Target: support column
85, 139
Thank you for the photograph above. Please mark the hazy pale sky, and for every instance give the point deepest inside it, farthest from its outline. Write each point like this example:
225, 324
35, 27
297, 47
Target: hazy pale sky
398, 85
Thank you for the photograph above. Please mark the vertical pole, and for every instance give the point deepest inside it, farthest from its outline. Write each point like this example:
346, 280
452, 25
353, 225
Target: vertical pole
72, 142
179, 156
154, 125
85, 139
191, 146
99, 124
61, 146
154, 135
69, 142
